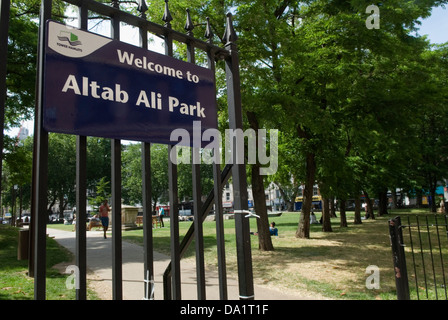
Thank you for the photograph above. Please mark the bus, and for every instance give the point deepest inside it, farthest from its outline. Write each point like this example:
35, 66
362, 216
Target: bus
317, 203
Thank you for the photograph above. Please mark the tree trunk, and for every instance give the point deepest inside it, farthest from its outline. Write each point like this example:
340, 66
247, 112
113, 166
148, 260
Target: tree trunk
326, 222
264, 236
303, 229
289, 201
332, 208
419, 198
382, 203
432, 194
342, 213
394, 199
357, 210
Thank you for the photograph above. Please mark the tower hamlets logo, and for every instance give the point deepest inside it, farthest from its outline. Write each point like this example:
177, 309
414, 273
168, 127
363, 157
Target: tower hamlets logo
69, 37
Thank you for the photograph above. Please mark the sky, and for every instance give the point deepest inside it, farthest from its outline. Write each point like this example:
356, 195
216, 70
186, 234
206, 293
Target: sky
436, 27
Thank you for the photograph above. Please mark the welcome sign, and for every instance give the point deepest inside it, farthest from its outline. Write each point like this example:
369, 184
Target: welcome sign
96, 86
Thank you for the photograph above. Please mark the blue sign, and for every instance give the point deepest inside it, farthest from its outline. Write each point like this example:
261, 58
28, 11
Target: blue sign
96, 86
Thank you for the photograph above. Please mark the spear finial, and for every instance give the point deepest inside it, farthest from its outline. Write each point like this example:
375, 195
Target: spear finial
167, 18
230, 34
189, 24
208, 31
142, 8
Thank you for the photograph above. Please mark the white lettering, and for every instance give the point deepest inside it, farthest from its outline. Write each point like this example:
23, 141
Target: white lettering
120, 95
91, 88
142, 63
142, 98
172, 103
125, 57
108, 94
192, 310
71, 83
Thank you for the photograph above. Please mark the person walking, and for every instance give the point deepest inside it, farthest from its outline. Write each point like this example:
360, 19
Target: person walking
104, 216
161, 214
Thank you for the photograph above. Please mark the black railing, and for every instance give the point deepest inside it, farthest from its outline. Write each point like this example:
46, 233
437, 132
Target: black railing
420, 253
40, 161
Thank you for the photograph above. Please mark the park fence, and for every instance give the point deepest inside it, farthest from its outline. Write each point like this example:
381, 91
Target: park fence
420, 251
111, 12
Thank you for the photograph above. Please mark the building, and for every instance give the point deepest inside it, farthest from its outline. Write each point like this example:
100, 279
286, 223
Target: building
274, 201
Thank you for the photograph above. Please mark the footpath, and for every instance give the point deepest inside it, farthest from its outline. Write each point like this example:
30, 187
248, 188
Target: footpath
99, 262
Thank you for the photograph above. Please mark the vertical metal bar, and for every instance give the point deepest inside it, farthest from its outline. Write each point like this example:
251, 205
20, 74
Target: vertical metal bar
413, 257
41, 162
81, 215
174, 227
441, 256
220, 240
81, 190
401, 276
199, 236
117, 276
217, 189
4, 28
432, 257
196, 181
244, 254
422, 256
117, 285
148, 255
173, 194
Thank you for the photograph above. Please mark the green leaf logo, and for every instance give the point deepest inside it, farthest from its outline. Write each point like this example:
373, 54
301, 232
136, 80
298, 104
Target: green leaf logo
73, 37
69, 37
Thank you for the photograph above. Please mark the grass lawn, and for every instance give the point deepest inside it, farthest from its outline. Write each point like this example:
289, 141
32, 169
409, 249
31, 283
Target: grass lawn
14, 281
329, 265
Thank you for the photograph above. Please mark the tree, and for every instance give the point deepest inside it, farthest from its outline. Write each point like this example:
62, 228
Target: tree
98, 161
61, 183
431, 128
16, 175
102, 193
22, 57
319, 70
159, 173
132, 174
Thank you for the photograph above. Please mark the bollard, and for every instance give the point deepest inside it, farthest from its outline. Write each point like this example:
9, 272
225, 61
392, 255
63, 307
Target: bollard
22, 248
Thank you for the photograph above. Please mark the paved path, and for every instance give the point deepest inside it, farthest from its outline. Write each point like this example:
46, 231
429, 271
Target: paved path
99, 261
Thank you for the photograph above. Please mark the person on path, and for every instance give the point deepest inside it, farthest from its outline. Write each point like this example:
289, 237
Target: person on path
161, 214
104, 216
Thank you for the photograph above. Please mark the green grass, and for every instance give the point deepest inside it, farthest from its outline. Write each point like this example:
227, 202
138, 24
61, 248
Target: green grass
14, 281
329, 264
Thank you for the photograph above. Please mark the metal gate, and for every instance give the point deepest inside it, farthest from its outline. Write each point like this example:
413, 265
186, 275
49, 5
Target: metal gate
172, 276
420, 250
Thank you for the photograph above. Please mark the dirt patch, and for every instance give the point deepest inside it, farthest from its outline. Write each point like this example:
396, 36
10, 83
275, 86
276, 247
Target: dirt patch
102, 289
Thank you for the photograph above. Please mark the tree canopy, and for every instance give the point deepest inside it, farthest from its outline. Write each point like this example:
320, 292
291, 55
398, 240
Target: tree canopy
359, 110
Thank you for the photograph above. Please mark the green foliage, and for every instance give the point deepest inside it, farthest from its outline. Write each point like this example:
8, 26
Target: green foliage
102, 193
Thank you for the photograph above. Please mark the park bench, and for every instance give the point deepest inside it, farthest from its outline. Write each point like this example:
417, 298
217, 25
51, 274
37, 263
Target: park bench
155, 221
